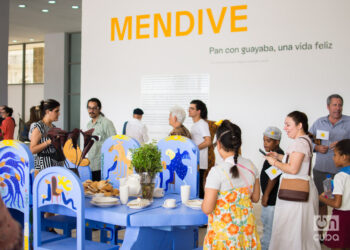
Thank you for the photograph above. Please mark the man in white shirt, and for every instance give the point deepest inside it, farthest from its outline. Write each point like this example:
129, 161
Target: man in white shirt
135, 128
201, 137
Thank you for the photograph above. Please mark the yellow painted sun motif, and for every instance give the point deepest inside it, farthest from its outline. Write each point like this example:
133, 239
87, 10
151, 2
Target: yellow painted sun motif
272, 133
64, 183
323, 135
274, 171
122, 137
170, 153
176, 138
8, 143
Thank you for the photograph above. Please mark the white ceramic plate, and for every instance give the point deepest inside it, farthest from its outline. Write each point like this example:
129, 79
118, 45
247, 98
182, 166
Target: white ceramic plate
138, 203
194, 204
104, 204
168, 207
104, 200
158, 195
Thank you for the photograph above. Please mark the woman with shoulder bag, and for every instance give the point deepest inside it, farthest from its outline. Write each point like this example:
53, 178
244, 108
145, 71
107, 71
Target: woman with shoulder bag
297, 202
40, 144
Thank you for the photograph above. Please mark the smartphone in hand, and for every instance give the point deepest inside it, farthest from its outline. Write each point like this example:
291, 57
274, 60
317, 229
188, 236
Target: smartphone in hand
262, 151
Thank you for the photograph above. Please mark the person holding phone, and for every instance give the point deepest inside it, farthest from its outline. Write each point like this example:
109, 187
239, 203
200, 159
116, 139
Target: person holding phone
269, 188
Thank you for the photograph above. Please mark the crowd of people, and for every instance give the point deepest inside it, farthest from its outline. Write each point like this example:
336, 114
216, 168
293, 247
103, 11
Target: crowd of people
289, 211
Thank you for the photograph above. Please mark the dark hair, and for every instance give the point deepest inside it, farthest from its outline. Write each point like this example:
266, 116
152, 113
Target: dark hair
49, 104
300, 117
34, 115
329, 98
230, 137
138, 111
202, 107
8, 110
94, 99
343, 147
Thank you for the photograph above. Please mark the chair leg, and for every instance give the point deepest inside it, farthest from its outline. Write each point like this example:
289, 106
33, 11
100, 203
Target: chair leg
195, 234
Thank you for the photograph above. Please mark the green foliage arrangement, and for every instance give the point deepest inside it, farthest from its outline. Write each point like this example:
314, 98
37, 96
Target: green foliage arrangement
147, 159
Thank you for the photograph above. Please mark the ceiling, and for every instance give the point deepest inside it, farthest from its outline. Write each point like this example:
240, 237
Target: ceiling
30, 24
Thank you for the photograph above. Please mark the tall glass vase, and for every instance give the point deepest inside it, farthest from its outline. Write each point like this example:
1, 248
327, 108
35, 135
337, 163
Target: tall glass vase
147, 185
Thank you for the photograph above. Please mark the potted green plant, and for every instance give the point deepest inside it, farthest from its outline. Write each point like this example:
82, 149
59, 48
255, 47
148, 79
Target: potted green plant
146, 162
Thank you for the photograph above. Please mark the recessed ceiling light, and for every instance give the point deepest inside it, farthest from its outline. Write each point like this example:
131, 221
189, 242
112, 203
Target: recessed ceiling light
14, 41
75, 7
31, 40
51, 2
44, 10
22, 6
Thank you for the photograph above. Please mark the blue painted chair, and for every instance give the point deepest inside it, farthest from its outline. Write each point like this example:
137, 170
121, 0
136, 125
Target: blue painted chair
115, 164
16, 163
180, 159
58, 187
116, 158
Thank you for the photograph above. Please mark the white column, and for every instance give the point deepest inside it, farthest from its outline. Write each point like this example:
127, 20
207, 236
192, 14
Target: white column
56, 74
4, 37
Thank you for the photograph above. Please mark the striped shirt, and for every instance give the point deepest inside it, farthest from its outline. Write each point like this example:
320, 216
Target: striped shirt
44, 159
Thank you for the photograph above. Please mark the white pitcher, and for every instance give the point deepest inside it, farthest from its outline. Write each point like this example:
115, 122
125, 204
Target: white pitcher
134, 185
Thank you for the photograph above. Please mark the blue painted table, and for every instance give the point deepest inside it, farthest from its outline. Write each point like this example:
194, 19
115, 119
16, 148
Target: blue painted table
153, 227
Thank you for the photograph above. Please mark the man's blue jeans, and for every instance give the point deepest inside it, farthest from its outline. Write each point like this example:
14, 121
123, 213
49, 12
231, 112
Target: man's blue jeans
267, 221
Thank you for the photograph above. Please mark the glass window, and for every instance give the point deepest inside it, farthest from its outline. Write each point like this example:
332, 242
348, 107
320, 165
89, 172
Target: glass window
15, 64
35, 63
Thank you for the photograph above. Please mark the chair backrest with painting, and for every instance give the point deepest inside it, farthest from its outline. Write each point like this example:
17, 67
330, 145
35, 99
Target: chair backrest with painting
116, 158
180, 159
58, 189
16, 178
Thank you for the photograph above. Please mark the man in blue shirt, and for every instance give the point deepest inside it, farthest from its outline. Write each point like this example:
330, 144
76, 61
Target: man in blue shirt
329, 130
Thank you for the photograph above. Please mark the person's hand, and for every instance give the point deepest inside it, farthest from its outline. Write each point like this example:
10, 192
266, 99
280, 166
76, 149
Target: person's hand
323, 195
264, 200
48, 142
272, 154
271, 160
321, 149
332, 146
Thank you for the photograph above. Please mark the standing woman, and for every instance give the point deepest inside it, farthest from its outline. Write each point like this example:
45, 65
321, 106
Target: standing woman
293, 223
230, 189
40, 144
8, 124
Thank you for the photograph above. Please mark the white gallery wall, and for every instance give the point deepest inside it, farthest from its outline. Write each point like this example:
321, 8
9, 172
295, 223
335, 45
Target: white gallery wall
264, 58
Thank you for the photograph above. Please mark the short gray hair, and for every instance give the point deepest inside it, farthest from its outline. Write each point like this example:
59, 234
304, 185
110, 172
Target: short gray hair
179, 112
329, 98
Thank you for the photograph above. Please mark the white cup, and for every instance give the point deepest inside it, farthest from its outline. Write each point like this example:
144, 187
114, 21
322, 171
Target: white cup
170, 203
185, 193
124, 194
122, 181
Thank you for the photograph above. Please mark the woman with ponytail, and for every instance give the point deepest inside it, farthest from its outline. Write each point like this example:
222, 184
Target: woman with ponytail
40, 143
230, 189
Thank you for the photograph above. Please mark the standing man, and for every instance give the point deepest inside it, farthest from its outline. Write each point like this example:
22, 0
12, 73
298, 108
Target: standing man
201, 137
328, 130
104, 128
135, 128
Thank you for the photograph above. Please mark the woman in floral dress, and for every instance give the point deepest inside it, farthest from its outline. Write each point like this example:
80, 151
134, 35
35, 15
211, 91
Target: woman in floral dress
230, 189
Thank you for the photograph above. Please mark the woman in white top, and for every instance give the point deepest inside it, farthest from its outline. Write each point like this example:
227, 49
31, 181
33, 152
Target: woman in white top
293, 223
229, 191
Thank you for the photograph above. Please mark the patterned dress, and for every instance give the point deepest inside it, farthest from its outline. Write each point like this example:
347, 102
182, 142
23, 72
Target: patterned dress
232, 223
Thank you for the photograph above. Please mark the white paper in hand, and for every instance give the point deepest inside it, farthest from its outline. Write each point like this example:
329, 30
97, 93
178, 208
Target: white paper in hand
322, 135
273, 172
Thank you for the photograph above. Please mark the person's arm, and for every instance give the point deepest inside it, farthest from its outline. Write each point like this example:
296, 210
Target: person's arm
255, 197
291, 167
275, 155
209, 202
206, 143
336, 202
35, 145
270, 185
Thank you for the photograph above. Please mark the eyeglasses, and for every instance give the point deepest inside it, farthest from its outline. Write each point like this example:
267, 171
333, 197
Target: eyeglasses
92, 108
